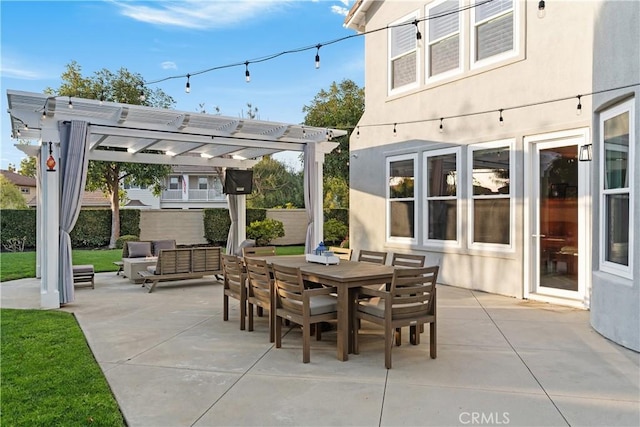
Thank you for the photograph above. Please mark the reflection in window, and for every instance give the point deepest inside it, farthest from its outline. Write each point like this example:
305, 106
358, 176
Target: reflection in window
202, 183
401, 195
616, 185
491, 195
442, 203
174, 183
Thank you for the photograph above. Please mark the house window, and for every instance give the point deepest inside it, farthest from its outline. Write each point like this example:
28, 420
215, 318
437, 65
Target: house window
403, 51
174, 183
444, 47
616, 225
25, 190
202, 183
401, 212
442, 195
491, 210
493, 29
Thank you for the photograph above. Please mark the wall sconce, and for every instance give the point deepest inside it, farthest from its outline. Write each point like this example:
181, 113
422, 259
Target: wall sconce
51, 162
585, 153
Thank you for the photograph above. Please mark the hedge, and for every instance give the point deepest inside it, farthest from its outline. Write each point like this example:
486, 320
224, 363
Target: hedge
217, 223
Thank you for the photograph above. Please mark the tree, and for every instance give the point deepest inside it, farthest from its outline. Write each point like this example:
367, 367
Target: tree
340, 107
275, 184
125, 87
10, 196
28, 167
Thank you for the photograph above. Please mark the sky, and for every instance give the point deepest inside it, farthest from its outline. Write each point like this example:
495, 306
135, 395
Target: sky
163, 39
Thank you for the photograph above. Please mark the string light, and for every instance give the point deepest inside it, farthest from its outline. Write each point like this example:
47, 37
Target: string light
418, 34
247, 76
101, 98
501, 118
318, 56
358, 132
317, 46
579, 106
395, 133
441, 125
541, 10
187, 88
70, 104
143, 97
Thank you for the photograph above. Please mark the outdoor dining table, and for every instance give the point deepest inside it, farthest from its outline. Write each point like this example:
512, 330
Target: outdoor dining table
346, 277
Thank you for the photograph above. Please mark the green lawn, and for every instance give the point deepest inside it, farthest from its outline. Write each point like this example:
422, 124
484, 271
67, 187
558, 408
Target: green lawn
20, 265
49, 375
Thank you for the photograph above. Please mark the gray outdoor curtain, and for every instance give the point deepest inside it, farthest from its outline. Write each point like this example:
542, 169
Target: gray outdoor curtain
232, 243
73, 165
309, 193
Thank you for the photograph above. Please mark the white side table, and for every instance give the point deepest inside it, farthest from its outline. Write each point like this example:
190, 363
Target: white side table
131, 267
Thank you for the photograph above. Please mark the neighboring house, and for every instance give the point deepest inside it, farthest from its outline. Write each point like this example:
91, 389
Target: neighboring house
187, 187
26, 184
478, 126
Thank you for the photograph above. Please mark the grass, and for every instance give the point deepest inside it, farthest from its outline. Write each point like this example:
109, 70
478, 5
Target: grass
20, 265
49, 375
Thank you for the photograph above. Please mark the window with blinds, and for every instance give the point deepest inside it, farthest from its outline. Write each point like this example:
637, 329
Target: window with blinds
443, 29
493, 29
403, 53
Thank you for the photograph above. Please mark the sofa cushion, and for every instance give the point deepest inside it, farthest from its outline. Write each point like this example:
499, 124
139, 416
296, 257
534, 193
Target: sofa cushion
162, 244
139, 249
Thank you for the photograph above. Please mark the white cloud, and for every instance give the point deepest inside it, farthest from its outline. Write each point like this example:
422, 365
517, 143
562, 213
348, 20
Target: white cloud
15, 69
197, 14
339, 10
169, 65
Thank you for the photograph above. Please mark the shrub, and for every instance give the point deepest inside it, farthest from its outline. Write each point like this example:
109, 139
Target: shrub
335, 232
217, 223
263, 232
126, 238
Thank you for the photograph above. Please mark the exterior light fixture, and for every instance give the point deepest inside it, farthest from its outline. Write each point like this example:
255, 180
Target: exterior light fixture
418, 33
70, 104
51, 162
318, 56
143, 97
501, 118
358, 132
541, 10
247, 75
585, 153
441, 125
395, 132
187, 87
579, 106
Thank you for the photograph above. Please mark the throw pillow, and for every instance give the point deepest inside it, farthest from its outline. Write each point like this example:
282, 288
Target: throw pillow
139, 249
162, 244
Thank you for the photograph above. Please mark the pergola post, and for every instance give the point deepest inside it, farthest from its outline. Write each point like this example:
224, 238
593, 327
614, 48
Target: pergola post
50, 213
318, 224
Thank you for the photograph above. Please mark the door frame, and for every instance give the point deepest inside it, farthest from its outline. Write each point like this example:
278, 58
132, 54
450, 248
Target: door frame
531, 243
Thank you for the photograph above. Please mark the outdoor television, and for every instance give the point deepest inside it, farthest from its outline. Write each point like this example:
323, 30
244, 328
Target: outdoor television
238, 181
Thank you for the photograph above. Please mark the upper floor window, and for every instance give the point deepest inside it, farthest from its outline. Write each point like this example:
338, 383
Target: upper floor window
493, 29
401, 196
442, 195
444, 44
202, 183
616, 186
25, 190
174, 182
403, 54
491, 211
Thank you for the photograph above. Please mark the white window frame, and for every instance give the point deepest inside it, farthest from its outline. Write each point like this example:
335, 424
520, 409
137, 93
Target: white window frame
497, 247
625, 271
458, 198
178, 183
428, 42
391, 90
416, 191
515, 51
206, 182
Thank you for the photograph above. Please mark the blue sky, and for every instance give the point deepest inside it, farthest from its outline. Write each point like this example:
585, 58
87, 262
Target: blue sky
160, 39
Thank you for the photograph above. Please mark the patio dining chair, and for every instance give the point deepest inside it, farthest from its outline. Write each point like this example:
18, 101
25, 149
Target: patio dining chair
408, 260
234, 286
411, 301
372, 256
259, 291
304, 307
342, 253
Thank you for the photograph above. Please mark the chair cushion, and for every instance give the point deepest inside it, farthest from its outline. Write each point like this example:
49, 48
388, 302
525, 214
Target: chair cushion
322, 304
152, 269
162, 244
139, 249
375, 306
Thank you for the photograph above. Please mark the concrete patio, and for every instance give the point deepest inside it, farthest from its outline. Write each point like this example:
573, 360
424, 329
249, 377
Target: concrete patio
171, 361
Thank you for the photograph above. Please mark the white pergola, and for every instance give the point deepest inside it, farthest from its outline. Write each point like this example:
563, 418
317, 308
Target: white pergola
137, 134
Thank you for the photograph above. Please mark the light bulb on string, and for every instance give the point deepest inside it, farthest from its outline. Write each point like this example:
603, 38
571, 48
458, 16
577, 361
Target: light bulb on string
395, 132
187, 87
418, 33
358, 132
441, 125
247, 75
102, 98
579, 106
501, 118
541, 9
70, 104
318, 56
